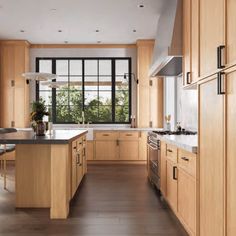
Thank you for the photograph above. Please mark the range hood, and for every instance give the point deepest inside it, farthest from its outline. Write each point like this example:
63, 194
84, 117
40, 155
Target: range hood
167, 56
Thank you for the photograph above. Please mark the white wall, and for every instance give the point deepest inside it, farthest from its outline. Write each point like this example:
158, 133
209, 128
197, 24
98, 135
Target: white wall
84, 52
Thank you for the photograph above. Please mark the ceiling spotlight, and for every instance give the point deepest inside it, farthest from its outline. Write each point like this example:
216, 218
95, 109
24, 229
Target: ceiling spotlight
53, 9
134, 30
65, 41
22, 31
140, 5
99, 41
59, 31
97, 30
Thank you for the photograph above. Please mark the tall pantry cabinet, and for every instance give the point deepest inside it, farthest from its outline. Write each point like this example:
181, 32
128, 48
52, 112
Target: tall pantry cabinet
14, 92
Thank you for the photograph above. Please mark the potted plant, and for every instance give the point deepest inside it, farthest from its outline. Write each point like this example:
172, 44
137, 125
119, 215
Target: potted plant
39, 110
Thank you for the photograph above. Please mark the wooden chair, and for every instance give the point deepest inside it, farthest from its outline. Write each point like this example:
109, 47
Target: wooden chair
4, 150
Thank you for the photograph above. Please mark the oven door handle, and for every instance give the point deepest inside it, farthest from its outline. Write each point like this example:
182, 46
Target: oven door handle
152, 147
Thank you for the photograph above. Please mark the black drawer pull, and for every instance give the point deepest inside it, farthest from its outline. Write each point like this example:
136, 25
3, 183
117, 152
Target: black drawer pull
219, 83
185, 158
105, 135
174, 172
219, 57
188, 77
169, 150
128, 134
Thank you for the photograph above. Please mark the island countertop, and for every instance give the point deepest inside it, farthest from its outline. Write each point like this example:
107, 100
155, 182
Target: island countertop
29, 137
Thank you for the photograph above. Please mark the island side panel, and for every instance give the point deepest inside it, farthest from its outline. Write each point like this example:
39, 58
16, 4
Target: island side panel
33, 170
60, 181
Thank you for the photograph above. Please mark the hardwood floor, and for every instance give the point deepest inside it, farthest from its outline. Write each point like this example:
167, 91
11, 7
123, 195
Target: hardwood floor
114, 200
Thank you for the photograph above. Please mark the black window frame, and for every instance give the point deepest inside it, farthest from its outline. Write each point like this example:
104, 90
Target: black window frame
113, 76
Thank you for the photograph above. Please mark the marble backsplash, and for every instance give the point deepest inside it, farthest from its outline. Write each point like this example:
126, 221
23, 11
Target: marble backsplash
187, 107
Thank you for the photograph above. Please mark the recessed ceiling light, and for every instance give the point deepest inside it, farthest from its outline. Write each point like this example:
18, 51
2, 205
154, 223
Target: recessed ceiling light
22, 31
65, 41
53, 9
134, 30
99, 41
140, 5
59, 31
97, 30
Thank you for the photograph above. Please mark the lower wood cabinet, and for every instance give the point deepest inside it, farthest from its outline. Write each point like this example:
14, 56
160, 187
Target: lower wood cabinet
187, 199
171, 184
178, 184
119, 145
78, 163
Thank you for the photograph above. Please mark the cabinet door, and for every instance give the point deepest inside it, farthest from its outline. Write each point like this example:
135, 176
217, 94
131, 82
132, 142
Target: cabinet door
231, 152
89, 150
74, 169
187, 199
231, 31
211, 161
186, 41
143, 150
171, 185
128, 150
106, 150
194, 40
211, 34
163, 168
79, 166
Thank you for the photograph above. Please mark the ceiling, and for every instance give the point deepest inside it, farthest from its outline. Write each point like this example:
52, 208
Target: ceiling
78, 20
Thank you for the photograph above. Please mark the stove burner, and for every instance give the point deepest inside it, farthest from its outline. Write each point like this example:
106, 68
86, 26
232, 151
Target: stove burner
181, 132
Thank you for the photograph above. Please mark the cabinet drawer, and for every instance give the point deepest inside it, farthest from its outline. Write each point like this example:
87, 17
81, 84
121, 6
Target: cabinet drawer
106, 135
79, 143
187, 161
129, 135
74, 145
171, 152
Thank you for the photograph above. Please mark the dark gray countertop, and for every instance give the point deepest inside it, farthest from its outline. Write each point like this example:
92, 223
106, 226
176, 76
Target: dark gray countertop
29, 137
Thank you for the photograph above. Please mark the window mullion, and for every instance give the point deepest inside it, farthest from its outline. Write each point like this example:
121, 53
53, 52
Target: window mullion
113, 72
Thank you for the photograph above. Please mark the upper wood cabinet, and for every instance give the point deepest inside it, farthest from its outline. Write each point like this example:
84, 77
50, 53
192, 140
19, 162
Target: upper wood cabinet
211, 160
144, 59
14, 92
217, 36
190, 41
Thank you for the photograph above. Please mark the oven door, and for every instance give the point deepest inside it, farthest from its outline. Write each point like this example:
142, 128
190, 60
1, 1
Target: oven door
154, 164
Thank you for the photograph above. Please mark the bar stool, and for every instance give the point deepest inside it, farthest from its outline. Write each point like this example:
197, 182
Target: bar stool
4, 149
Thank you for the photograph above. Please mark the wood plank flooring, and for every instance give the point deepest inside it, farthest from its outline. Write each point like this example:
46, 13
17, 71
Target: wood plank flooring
114, 200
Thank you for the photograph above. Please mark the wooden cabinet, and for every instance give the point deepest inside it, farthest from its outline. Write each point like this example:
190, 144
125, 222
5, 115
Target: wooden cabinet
190, 41
144, 59
122, 145
106, 150
212, 34
142, 146
163, 168
90, 150
14, 92
211, 160
187, 199
171, 184
78, 163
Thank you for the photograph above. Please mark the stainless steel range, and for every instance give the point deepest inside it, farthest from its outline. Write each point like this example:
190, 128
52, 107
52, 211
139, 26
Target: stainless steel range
154, 153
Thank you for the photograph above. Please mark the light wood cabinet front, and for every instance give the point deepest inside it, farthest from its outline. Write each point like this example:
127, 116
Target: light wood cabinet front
211, 161
212, 30
187, 199
163, 168
106, 150
171, 184
128, 150
231, 152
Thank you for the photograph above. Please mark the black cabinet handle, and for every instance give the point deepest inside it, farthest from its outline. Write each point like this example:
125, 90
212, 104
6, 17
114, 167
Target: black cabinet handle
185, 158
169, 150
219, 83
174, 172
188, 77
219, 57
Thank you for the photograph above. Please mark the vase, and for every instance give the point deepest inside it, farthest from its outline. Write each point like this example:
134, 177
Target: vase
40, 128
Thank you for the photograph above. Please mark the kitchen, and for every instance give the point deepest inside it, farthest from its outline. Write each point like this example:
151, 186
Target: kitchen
140, 120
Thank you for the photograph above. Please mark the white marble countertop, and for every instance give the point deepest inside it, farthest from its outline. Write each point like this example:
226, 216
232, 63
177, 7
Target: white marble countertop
186, 142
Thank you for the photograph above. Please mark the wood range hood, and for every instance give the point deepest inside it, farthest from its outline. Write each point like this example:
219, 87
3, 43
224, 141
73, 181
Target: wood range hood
167, 57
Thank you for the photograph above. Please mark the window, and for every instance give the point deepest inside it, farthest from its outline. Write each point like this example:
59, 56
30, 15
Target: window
93, 85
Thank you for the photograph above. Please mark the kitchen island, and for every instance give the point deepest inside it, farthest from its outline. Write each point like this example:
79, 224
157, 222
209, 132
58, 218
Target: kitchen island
49, 168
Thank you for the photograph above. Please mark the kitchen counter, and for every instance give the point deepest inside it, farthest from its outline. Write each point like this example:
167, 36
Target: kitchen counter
29, 137
186, 142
